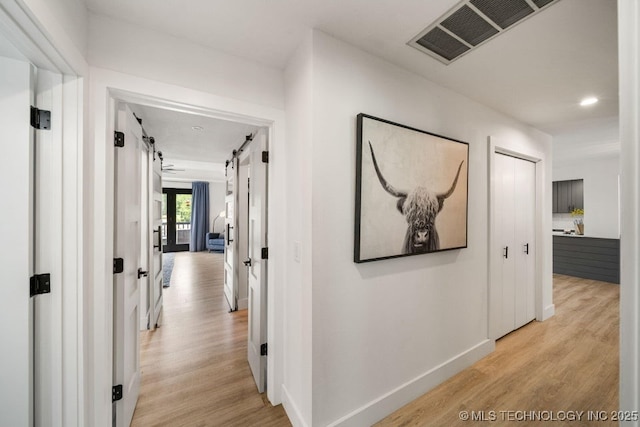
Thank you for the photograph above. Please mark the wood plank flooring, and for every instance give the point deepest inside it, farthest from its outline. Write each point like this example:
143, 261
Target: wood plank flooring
195, 373
567, 363
194, 367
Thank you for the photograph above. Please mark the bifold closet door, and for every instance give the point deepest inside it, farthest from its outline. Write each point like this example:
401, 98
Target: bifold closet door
524, 250
515, 207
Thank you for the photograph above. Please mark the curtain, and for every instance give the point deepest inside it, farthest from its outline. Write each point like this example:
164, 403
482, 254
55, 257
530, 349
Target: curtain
199, 216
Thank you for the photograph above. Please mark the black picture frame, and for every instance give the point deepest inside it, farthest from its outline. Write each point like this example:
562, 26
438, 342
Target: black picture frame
412, 180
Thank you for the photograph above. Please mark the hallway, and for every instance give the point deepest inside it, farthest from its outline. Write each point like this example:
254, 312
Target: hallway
194, 367
567, 363
195, 373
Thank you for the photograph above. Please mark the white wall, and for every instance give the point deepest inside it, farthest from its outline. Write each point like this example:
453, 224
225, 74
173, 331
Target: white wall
297, 387
629, 77
387, 331
601, 207
590, 150
65, 23
127, 48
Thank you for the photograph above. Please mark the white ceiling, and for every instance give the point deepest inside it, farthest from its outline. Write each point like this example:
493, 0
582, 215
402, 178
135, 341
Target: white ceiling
536, 72
202, 153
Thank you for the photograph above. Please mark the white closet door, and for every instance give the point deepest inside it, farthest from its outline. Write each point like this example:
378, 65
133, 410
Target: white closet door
506, 209
524, 250
514, 296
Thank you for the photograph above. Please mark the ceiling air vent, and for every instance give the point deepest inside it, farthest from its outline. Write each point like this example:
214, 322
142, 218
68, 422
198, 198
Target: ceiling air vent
472, 23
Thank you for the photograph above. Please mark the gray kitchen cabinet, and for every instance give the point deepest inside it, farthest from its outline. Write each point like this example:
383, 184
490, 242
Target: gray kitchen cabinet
568, 195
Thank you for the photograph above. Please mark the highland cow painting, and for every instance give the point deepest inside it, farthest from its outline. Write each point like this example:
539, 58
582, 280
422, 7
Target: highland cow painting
411, 191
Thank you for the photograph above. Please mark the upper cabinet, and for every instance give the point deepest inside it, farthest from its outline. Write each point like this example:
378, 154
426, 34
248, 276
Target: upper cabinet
568, 195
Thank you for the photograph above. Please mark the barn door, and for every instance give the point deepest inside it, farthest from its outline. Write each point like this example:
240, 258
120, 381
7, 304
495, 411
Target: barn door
156, 241
258, 256
230, 243
146, 262
127, 271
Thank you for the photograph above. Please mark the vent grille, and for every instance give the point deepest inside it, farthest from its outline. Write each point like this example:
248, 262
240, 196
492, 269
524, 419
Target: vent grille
469, 26
472, 23
443, 44
505, 13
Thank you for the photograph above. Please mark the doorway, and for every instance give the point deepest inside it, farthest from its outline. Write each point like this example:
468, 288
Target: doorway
179, 211
514, 306
176, 219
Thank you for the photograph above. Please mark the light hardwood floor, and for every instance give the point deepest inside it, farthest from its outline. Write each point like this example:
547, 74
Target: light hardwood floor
567, 363
194, 367
195, 371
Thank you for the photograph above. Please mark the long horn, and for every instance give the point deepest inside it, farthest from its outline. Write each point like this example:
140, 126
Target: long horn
443, 196
388, 187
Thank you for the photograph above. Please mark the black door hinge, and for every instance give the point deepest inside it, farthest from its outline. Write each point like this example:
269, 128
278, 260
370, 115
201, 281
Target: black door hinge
40, 284
118, 265
40, 119
263, 349
265, 253
116, 393
118, 139
265, 157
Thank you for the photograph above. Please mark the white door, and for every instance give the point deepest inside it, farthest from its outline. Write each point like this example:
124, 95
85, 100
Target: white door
513, 296
48, 340
156, 244
145, 237
257, 336
126, 285
524, 250
16, 229
230, 243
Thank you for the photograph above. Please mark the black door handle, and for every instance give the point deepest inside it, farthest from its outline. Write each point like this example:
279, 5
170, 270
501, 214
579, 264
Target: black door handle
159, 231
505, 252
247, 262
142, 273
526, 249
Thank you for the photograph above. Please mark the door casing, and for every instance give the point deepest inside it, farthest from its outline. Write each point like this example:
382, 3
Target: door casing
543, 311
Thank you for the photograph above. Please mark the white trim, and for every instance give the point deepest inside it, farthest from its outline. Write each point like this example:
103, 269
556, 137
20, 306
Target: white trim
629, 69
498, 147
292, 410
107, 86
384, 405
37, 35
44, 43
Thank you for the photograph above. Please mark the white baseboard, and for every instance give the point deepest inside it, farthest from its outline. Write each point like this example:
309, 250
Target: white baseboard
292, 410
384, 405
243, 304
548, 312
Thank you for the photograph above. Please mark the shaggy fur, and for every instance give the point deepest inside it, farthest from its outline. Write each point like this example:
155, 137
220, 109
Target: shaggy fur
420, 208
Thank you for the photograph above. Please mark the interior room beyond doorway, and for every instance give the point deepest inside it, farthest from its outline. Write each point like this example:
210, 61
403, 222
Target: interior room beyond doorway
194, 367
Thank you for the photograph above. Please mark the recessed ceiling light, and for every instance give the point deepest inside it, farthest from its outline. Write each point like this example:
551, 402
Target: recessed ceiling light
197, 128
588, 101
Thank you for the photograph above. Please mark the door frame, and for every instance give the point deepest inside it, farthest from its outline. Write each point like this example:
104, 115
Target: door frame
109, 87
44, 43
174, 191
544, 307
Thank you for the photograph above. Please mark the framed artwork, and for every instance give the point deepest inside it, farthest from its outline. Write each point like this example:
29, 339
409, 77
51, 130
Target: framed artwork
411, 191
